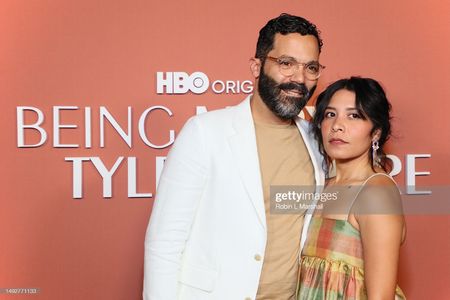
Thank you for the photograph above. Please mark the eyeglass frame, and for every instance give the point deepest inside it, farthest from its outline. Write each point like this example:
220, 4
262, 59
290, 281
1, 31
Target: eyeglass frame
297, 66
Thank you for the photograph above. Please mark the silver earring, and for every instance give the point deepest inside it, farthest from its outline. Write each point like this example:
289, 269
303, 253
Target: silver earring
375, 158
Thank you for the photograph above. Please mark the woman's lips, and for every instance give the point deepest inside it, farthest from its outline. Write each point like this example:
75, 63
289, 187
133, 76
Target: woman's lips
337, 141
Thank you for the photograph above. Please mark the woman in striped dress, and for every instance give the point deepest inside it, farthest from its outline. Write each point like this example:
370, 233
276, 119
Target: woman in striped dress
353, 243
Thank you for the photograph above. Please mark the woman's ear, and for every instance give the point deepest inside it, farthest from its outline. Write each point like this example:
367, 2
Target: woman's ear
376, 135
255, 66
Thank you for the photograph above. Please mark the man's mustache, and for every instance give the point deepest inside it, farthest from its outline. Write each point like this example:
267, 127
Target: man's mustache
289, 86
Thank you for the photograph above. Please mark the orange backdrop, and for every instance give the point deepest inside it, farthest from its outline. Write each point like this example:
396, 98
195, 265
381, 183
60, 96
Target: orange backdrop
93, 54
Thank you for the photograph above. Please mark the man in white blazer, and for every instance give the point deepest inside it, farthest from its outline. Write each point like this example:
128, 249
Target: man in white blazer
210, 233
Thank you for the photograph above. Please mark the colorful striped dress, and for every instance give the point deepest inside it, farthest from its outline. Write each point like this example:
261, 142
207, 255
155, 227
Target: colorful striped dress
332, 264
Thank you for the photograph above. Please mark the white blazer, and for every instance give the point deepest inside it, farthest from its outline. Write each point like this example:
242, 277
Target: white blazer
208, 224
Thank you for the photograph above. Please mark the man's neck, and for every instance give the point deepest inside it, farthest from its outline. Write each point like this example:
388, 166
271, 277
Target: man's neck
261, 113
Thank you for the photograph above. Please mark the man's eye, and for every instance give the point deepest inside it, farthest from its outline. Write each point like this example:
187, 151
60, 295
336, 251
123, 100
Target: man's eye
285, 63
314, 68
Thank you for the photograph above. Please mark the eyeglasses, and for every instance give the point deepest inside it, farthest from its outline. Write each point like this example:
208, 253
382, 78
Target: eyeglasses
288, 66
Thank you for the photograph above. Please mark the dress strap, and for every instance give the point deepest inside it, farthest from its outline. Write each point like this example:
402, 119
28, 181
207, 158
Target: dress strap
360, 189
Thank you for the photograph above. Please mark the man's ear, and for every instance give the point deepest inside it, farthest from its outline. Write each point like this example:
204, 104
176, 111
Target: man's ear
255, 66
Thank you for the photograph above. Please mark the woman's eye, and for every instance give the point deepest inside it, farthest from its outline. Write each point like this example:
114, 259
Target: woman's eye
329, 114
355, 116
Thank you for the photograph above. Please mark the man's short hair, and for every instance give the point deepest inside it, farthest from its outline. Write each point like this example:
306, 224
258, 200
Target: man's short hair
284, 24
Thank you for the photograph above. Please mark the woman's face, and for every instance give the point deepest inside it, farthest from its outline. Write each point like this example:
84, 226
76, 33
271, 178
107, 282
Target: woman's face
346, 135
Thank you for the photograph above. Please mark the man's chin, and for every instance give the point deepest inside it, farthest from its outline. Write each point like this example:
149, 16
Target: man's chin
294, 101
291, 114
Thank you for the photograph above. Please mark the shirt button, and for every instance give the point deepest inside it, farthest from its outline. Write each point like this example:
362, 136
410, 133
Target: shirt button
257, 257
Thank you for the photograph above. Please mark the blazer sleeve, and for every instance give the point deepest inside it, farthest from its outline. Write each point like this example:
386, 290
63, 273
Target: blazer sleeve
180, 187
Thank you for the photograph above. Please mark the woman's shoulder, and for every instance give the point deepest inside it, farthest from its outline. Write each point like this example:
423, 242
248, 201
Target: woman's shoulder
380, 179
379, 194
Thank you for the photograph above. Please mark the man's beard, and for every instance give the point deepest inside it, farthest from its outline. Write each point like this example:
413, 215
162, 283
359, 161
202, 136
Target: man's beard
283, 106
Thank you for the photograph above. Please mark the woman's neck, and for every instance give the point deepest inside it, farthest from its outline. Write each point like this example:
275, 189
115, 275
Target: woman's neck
353, 170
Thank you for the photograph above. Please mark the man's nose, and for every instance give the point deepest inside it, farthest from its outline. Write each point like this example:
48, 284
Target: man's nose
298, 75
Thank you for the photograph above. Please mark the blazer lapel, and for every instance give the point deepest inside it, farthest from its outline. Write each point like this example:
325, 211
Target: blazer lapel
313, 150
319, 175
245, 152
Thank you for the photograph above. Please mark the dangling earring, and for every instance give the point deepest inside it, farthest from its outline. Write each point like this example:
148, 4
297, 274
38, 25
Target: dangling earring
375, 159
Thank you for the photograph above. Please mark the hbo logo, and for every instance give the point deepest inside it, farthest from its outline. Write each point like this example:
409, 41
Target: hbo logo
181, 82
198, 83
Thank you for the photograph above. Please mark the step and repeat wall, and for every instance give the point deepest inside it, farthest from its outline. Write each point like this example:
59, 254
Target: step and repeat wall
94, 93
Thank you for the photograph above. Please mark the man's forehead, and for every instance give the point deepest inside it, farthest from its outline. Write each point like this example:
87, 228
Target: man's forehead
296, 45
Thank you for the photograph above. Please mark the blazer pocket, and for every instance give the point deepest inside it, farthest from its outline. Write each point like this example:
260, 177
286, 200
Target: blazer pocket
198, 277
